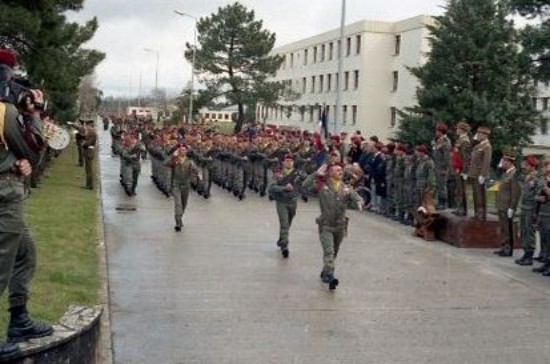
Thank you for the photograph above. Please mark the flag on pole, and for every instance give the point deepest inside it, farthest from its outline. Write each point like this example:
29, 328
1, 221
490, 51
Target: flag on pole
323, 123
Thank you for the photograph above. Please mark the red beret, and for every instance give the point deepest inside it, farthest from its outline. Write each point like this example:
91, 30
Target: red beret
379, 145
532, 161
337, 164
8, 57
441, 127
401, 148
422, 149
288, 156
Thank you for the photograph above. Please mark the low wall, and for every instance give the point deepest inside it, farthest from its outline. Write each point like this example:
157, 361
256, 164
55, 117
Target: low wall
75, 340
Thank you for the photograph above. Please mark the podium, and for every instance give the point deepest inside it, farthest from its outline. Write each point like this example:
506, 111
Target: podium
467, 232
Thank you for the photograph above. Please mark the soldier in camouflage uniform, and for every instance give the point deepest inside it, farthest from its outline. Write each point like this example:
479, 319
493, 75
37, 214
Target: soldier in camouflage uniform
334, 199
460, 164
285, 190
543, 216
530, 189
478, 171
389, 209
398, 181
425, 176
409, 187
442, 160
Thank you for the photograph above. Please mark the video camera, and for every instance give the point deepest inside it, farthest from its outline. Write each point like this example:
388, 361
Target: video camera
15, 89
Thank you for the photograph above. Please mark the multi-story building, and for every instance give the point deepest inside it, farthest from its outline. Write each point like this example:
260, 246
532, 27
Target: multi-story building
375, 80
541, 140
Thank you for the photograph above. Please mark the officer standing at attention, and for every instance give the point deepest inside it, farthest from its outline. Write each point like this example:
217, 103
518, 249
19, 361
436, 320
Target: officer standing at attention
509, 193
334, 199
478, 171
285, 191
88, 150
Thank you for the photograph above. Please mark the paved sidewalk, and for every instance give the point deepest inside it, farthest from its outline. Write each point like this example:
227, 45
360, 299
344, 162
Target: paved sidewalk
219, 292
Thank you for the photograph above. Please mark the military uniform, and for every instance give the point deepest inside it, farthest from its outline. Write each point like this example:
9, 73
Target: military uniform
88, 150
544, 226
442, 161
183, 169
332, 224
509, 193
286, 200
478, 172
461, 160
425, 179
530, 189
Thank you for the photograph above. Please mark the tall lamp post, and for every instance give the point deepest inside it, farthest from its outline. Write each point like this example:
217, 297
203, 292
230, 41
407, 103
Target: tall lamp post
189, 118
156, 52
338, 113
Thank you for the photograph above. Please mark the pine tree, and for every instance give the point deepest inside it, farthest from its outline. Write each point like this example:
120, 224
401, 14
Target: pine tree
475, 72
233, 57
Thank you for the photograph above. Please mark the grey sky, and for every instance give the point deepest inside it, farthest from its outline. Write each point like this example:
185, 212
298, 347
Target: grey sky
126, 27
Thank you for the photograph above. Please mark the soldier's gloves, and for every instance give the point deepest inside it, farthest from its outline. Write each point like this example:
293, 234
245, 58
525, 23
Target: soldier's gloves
464, 176
510, 213
481, 180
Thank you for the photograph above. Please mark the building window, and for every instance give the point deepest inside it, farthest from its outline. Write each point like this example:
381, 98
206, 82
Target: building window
312, 84
291, 60
314, 54
302, 113
207, 115
335, 112
346, 80
545, 104
330, 50
305, 57
337, 82
304, 84
226, 116
358, 44
327, 110
283, 63
339, 49
348, 47
393, 119
329, 81
395, 81
544, 126
344, 114
311, 114
220, 116
354, 114
321, 82
397, 45
355, 79
323, 53
534, 101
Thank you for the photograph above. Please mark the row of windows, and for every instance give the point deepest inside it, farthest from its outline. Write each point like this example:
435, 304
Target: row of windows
543, 102
325, 52
311, 113
324, 83
219, 116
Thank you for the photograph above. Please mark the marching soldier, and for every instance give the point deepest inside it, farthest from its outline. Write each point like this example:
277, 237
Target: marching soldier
442, 160
543, 214
507, 201
478, 172
334, 198
183, 170
530, 189
88, 150
285, 191
131, 164
460, 163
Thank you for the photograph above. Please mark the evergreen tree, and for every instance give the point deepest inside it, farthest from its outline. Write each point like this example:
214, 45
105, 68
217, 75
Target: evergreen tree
233, 56
475, 72
536, 37
50, 48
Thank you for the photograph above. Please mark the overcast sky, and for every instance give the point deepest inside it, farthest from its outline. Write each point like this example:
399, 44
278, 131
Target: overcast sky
126, 27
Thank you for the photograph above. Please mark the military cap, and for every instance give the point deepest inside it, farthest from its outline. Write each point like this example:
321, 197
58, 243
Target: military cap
510, 155
422, 149
288, 156
532, 160
8, 57
441, 127
462, 125
484, 130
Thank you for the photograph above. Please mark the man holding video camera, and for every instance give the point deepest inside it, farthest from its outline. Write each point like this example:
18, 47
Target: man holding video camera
21, 143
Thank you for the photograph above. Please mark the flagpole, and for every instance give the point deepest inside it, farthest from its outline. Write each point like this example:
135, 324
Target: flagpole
338, 113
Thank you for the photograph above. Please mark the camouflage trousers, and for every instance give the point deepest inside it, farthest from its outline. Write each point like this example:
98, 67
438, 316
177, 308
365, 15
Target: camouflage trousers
527, 229
286, 212
181, 196
331, 239
544, 229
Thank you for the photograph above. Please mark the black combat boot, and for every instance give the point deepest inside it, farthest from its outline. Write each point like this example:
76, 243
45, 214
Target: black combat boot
285, 252
526, 259
8, 351
542, 268
333, 282
22, 327
325, 276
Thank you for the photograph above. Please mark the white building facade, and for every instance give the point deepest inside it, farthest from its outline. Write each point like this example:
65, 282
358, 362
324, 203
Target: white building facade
541, 101
375, 80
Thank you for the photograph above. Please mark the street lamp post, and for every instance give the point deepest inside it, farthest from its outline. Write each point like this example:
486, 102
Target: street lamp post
156, 52
338, 113
189, 118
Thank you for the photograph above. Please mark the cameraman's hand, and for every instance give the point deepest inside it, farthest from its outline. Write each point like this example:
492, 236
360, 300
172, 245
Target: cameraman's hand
24, 167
